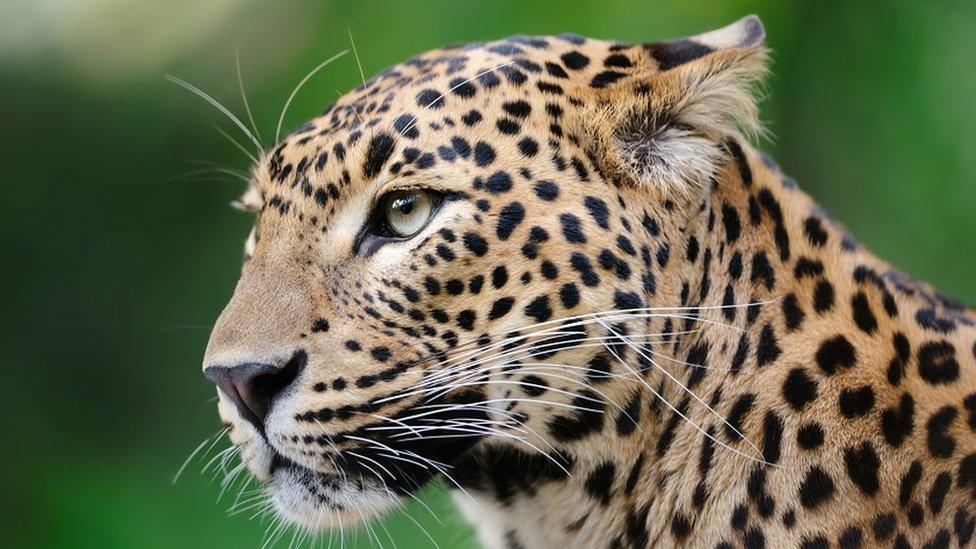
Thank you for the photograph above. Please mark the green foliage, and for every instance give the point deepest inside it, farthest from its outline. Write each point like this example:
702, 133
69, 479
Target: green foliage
116, 266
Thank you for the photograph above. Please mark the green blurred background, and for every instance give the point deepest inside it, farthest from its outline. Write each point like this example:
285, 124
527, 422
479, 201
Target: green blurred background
116, 265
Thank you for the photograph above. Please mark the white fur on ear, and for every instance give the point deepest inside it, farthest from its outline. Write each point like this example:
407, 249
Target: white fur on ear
669, 158
671, 135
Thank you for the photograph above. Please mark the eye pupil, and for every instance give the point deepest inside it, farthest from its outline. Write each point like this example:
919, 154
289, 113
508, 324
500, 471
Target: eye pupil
405, 205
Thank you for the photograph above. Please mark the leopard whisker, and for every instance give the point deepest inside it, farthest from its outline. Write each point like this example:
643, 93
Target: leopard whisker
214, 438
687, 390
237, 144
298, 87
216, 104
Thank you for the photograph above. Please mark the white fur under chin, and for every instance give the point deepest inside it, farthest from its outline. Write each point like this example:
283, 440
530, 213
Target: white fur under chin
289, 491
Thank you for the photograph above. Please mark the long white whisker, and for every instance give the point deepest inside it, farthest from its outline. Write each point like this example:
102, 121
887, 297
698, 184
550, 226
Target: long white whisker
236, 143
203, 95
310, 74
694, 395
240, 84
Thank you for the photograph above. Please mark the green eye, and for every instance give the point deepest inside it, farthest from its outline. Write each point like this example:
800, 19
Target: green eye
406, 212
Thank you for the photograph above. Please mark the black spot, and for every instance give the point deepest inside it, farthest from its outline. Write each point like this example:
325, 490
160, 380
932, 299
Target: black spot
500, 307
629, 417
816, 488
555, 70
940, 487
739, 517
676, 52
430, 99
856, 402
741, 353
320, 325
379, 151
863, 315
680, 527
733, 226
627, 301
799, 389
617, 60
484, 154
539, 309
606, 78
813, 228
380, 354
546, 190
533, 385
528, 147
582, 265
851, 538
406, 126
741, 407
463, 88
471, 118
964, 525
475, 244
810, 437
507, 126
599, 483
793, 315
572, 228
499, 276
508, 219
498, 182
598, 211
903, 351
941, 444
569, 295
575, 60
762, 271
937, 362
908, 482
884, 526
586, 420
807, 268
518, 109
767, 350
823, 296
862, 467
897, 423
465, 319
835, 353
772, 437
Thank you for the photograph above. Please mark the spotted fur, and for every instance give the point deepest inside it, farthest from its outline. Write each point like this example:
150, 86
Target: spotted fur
622, 326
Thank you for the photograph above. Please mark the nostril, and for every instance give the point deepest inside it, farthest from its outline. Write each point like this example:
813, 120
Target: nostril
253, 386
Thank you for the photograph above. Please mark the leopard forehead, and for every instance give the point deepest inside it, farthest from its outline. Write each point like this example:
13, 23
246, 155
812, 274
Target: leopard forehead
492, 103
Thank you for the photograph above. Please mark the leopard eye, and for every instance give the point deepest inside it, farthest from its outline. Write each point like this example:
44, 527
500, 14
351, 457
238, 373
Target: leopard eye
406, 212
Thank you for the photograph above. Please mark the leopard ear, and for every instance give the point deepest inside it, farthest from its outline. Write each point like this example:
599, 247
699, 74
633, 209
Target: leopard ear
665, 126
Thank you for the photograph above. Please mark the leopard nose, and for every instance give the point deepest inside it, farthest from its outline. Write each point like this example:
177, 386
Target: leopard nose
253, 387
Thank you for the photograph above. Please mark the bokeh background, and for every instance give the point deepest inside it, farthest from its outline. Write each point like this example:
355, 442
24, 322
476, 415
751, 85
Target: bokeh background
117, 257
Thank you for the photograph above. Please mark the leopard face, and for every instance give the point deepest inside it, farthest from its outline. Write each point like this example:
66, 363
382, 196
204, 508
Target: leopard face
552, 271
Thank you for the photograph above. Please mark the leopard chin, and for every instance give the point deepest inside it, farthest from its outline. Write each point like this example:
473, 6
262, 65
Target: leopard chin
320, 501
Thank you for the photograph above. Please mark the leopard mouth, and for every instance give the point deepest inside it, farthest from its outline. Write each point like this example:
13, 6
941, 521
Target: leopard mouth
363, 480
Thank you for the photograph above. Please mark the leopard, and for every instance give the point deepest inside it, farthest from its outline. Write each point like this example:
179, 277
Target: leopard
557, 275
